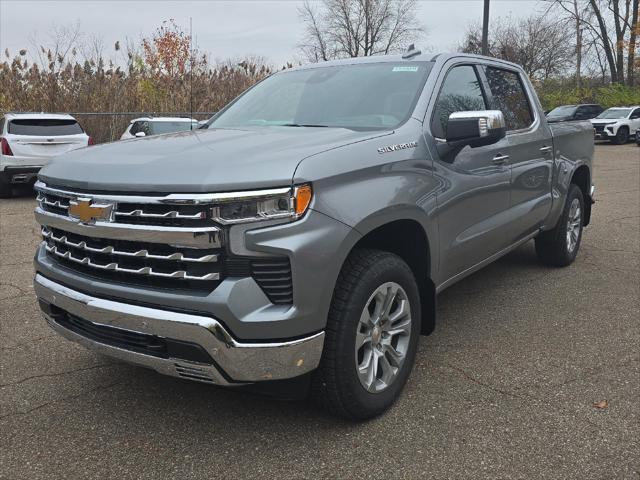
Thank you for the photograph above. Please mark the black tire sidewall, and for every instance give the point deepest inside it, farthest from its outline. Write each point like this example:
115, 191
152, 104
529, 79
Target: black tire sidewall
574, 192
625, 136
360, 402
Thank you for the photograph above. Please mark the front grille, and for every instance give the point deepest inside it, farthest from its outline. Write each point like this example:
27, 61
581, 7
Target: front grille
128, 340
133, 247
599, 128
136, 213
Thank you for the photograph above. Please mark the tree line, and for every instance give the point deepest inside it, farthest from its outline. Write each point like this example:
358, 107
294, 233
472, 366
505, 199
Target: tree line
574, 50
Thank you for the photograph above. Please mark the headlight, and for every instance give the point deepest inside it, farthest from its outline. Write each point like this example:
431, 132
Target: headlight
274, 204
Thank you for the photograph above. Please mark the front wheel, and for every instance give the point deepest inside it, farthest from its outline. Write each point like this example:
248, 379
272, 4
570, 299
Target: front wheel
371, 336
559, 247
622, 136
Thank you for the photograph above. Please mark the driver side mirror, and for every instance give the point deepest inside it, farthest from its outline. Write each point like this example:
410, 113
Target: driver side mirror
141, 134
475, 128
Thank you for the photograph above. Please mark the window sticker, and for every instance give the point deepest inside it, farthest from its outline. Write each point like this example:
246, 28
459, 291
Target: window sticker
405, 69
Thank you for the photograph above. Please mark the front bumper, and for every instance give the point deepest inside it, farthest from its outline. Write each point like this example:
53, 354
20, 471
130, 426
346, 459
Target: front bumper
232, 362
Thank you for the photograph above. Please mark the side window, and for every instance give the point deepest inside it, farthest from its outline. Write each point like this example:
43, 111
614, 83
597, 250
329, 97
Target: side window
135, 128
509, 96
582, 113
460, 92
634, 115
1, 126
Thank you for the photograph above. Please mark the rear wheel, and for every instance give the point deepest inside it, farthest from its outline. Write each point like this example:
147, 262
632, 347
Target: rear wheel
371, 336
5, 187
559, 247
622, 136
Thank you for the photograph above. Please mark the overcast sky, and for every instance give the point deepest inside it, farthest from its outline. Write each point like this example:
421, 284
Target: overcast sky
268, 28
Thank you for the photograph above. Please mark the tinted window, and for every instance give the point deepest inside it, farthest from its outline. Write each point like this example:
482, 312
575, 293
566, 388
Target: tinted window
1, 126
509, 96
636, 113
168, 127
460, 92
360, 96
562, 111
44, 127
135, 128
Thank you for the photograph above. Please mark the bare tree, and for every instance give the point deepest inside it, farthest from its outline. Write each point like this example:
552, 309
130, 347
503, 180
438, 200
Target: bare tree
358, 28
540, 44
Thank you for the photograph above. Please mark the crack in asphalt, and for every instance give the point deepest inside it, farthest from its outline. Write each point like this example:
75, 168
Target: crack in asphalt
58, 374
553, 408
63, 399
20, 289
16, 346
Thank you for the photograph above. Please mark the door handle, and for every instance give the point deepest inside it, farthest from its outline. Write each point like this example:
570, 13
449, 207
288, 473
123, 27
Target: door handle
500, 159
546, 149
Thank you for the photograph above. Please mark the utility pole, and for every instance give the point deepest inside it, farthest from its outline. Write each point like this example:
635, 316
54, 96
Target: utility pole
485, 29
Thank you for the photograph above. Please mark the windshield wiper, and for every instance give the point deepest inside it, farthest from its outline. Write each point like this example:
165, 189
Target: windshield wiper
302, 125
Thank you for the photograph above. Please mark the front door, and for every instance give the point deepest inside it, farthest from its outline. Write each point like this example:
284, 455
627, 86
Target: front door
473, 199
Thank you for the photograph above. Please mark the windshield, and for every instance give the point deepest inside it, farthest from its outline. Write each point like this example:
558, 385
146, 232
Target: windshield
362, 96
615, 113
158, 128
562, 111
49, 127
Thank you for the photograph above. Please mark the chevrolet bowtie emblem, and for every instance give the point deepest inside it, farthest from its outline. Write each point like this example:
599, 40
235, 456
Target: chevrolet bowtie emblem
83, 210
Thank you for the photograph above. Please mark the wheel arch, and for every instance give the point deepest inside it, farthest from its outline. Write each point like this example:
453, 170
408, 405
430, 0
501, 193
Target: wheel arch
407, 238
581, 177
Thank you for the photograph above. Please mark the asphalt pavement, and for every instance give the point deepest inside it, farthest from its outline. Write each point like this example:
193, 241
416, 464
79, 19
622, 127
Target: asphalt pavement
504, 388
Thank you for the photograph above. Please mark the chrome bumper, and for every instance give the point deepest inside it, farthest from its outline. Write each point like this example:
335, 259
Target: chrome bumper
235, 362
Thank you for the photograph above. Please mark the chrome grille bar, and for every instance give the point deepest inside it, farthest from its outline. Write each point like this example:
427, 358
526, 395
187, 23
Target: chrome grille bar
43, 200
169, 214
200, 237
113, 266
110, 250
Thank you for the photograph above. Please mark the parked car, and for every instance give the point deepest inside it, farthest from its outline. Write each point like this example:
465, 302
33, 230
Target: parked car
306, 235
145, 126
617, 124
566, 113
29, 140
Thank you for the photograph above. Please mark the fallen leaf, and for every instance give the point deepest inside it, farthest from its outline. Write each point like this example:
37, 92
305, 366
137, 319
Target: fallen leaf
601, 405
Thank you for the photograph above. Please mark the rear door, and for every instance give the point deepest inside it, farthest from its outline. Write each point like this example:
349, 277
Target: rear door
530, 150
43, 137
473, 201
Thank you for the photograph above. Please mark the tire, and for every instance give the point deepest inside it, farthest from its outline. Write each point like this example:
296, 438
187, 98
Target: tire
366, 277
5, 187
622, 136
559, 247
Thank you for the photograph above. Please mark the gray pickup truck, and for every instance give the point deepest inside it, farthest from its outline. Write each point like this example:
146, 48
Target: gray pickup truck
306, 230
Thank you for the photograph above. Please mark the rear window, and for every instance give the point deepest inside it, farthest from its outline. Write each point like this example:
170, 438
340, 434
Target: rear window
44, 127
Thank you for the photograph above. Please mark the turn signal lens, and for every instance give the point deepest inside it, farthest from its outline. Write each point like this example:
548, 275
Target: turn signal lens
302, 195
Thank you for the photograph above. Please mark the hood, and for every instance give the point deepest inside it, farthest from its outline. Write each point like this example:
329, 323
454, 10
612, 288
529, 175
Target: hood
604, 121
200, 161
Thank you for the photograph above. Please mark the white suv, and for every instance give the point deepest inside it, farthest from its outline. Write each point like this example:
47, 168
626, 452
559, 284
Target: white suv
29, 140
617, 124
145, 126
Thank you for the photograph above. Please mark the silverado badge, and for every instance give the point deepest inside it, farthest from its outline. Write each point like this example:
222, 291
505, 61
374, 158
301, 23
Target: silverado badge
400, 146
83, 210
